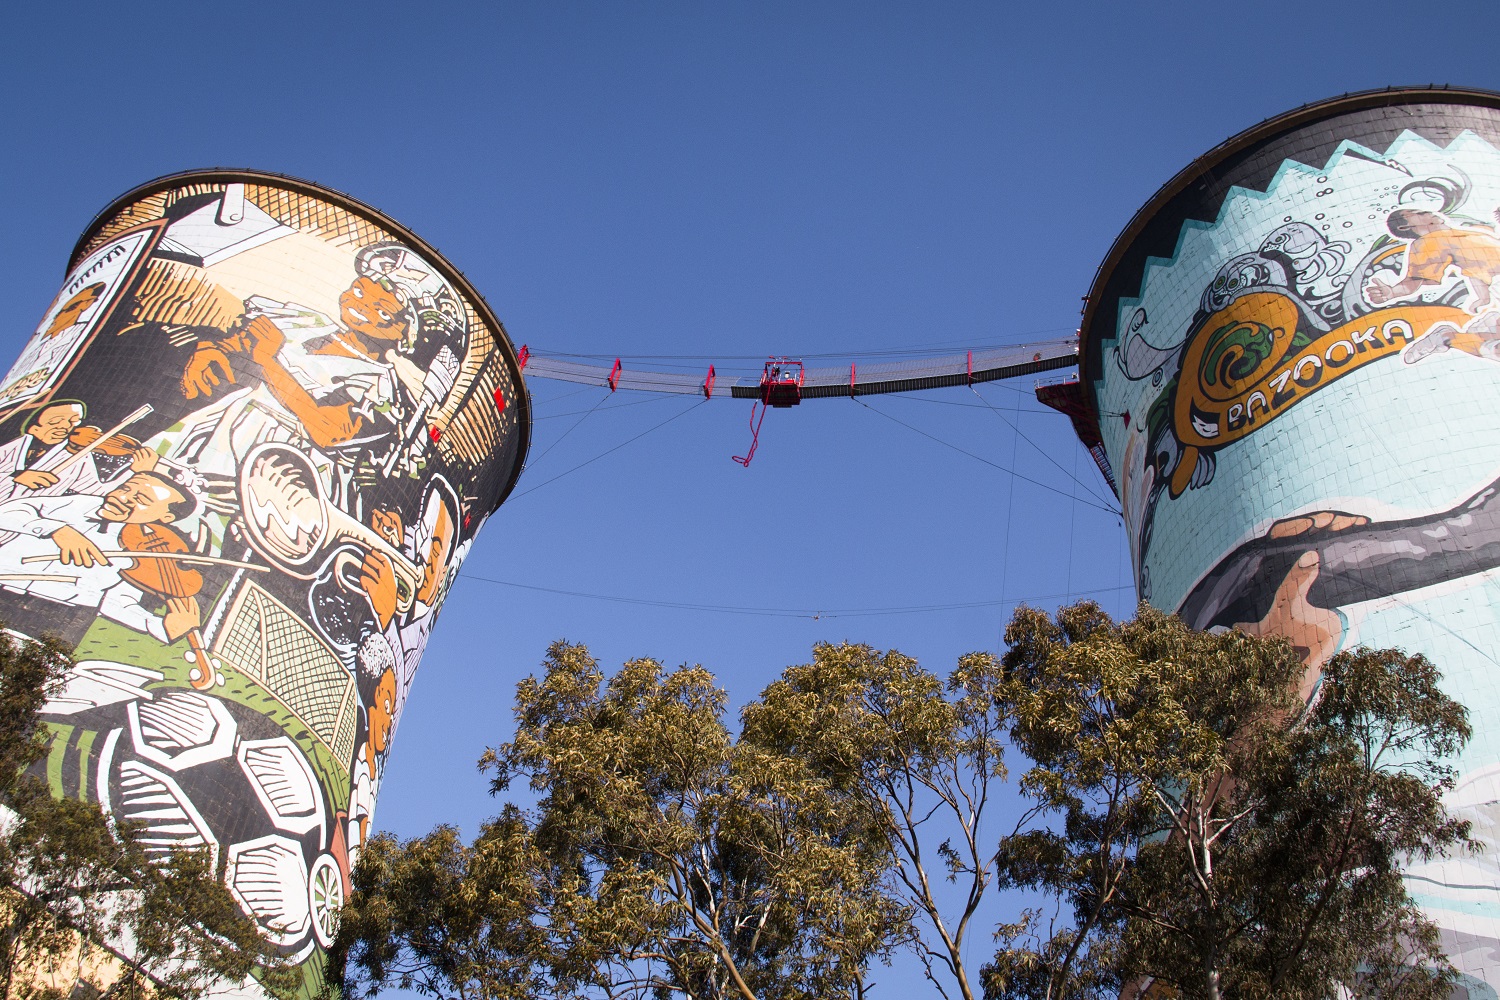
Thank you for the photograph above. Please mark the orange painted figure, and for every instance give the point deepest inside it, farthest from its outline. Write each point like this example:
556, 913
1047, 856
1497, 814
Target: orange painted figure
382, 718
378, 577
380, 723
1436, 245
1437, 248
50, 349
73, 310
259, 339
360, 350
374, 312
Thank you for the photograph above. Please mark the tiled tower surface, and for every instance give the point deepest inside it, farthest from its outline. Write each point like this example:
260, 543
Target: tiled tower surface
1291, 360
242, 458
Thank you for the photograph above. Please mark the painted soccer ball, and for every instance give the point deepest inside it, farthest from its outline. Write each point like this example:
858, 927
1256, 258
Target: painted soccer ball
195, 770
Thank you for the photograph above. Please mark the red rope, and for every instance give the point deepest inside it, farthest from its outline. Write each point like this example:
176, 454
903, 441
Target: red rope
754, 434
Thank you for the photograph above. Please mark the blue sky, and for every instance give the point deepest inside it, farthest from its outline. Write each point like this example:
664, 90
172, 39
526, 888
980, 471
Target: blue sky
723, 180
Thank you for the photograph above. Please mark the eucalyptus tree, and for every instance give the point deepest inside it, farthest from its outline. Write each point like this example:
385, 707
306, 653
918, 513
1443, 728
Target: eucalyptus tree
661, 858
920, 756
1183, 821
1212, 833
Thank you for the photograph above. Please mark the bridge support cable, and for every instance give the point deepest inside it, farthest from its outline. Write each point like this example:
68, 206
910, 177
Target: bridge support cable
1016, 429
609, 451
995, 465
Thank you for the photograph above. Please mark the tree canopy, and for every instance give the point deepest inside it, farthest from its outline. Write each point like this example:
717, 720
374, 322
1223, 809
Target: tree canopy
1183, 822
1216, 835
662, 857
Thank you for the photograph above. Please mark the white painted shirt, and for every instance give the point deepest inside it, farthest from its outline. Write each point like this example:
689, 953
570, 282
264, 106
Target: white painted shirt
32, 520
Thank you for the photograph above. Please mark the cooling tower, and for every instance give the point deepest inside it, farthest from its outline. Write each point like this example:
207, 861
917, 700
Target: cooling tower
241, 461
1290, 371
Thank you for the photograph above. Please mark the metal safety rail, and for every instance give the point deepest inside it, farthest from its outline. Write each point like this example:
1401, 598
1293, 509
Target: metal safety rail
986, 365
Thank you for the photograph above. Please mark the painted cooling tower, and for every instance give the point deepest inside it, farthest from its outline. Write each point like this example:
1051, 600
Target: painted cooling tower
1291, 371
241, 460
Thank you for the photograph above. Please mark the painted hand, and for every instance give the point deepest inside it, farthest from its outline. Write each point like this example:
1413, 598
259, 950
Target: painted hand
35, 479
143, 459
1379, 292
265, 338
181, 617
1315, 631
206, 370
378, 580
76, 550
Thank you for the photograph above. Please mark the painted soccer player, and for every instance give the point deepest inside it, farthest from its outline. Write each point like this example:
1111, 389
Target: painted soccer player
1435, 246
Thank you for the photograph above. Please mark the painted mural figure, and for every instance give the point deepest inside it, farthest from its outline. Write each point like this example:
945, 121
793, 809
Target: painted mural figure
1436, 244
382, 632
33, 459
41, 443
366, 614
71, 549
56, 453
381, 714
430, 544
279, 338
353, 386
70, 316
54, 343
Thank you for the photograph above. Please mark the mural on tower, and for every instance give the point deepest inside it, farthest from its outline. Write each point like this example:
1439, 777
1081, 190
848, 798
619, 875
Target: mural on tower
1300, 405
242, 458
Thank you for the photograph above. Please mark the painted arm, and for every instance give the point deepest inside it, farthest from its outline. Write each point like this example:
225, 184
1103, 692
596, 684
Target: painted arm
1356, 560
328, 425
1379, 293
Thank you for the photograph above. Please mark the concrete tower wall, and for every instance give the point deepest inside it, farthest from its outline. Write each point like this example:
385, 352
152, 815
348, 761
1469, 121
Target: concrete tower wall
241, 461
1292, 360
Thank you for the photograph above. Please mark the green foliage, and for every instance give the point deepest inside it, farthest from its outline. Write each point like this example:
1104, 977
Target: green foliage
1200, 828
661, 858
910, 754
1216, 836
440, 917
29, 673
77, 888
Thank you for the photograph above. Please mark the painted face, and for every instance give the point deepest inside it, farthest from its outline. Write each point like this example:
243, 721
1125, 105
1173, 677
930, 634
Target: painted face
435, 559
370, 309
55, 423
1416, 222
383, 712
140, 500
73, 309
387, 524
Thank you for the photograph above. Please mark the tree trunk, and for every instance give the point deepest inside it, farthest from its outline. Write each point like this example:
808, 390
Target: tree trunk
1211, 935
